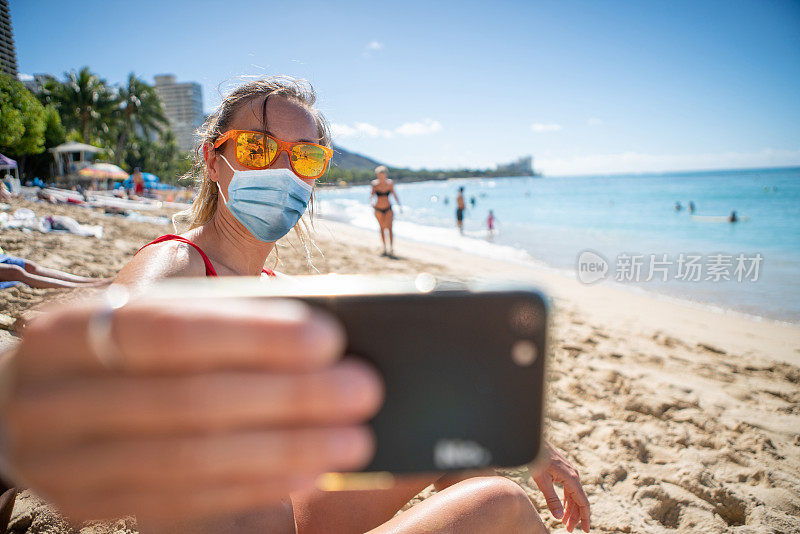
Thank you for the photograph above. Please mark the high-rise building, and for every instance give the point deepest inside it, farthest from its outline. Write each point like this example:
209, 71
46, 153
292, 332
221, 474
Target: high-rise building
183, 106
8, 54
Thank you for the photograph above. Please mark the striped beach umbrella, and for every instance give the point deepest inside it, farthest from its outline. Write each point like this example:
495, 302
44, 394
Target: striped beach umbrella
103, 171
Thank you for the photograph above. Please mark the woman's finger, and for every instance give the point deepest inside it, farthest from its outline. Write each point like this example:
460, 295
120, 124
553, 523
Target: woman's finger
574, 488
583, 508
184, 462
118, 406
574, 513
192, 335
545, 485
585, 518
567, 517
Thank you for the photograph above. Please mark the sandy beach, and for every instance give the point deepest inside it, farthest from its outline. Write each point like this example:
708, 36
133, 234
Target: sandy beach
680, 419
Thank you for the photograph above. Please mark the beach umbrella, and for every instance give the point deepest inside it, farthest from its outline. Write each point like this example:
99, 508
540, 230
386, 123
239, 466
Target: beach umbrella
150, 180
103, 171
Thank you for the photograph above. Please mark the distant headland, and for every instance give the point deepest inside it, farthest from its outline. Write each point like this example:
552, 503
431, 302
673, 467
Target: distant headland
353, 168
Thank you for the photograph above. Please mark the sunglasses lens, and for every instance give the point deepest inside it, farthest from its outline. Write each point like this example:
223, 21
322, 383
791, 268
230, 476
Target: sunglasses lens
250, 150
308, 160
272, 149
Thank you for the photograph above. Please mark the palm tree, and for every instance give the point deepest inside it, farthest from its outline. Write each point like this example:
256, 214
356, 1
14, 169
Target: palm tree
83, 100
138, 111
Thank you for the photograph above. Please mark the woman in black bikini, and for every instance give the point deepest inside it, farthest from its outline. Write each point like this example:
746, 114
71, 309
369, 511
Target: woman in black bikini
382, 187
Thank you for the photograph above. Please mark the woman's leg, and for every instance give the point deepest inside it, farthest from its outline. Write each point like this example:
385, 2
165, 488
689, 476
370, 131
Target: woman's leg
478, 505
45, 272
276, 519
388, 220
454, 478
345, 512
12, 273
379, 217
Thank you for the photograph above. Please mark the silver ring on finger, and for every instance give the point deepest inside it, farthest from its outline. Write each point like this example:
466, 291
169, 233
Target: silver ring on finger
99, 329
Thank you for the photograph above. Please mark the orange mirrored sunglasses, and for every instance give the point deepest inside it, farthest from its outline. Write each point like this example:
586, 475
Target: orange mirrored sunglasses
257, 150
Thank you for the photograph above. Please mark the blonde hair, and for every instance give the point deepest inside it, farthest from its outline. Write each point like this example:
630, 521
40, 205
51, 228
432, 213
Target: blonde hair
381, 169
205, 203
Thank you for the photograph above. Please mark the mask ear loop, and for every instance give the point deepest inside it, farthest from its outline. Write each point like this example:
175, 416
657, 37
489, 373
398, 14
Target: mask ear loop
224, 200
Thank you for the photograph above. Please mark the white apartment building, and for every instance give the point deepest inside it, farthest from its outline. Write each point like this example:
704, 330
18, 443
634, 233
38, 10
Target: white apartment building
183, 106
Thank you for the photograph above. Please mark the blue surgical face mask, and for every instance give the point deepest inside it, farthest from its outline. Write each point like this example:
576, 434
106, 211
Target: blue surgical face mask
268, 202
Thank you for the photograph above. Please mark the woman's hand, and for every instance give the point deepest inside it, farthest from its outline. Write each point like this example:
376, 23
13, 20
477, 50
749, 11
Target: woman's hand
216, 406
560, 471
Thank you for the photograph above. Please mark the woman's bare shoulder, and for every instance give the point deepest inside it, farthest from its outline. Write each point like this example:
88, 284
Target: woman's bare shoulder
167, 259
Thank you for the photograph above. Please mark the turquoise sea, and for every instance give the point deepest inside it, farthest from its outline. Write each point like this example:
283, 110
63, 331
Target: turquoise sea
628, 220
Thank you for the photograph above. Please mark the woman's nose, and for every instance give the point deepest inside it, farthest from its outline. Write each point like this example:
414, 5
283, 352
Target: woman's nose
281, 162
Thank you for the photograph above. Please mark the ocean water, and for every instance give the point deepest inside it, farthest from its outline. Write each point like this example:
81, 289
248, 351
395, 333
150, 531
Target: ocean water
751, 266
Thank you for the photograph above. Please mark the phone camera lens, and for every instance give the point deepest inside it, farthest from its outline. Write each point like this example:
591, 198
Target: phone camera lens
524, 353
525, 319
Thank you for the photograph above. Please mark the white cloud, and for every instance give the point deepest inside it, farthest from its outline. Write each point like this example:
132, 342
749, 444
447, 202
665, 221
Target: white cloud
359, 129
594, 121
637, 162
539, 127
371, 47
407, 129
425, 127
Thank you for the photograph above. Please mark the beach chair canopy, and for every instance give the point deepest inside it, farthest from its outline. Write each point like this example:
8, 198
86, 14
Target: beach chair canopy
7, 163
72, 146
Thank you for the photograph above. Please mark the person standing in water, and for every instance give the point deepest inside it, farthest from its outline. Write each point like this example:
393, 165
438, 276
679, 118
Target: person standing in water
382, 187
460, 207
490, 222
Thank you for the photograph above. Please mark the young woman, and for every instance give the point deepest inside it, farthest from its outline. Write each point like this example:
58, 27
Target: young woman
382, 187
212, 412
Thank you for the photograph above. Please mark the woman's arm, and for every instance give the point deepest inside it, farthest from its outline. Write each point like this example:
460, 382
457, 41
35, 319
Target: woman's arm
197, 416
162, 260
394, 194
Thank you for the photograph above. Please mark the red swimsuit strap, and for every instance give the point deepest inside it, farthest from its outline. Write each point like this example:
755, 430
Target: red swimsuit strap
209, 267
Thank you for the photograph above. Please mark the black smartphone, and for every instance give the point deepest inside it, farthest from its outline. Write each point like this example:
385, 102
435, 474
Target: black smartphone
463, 364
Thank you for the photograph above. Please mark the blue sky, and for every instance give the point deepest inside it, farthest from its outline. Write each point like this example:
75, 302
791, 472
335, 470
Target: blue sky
584, 87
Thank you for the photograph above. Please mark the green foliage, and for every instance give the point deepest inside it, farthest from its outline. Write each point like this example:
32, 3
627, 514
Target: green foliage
54, 133
138, 113
334, 175
161, 157
127, 122
84, 102
22, 119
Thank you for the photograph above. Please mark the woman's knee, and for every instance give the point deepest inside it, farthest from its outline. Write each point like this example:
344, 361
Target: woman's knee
503, 492
506, 503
